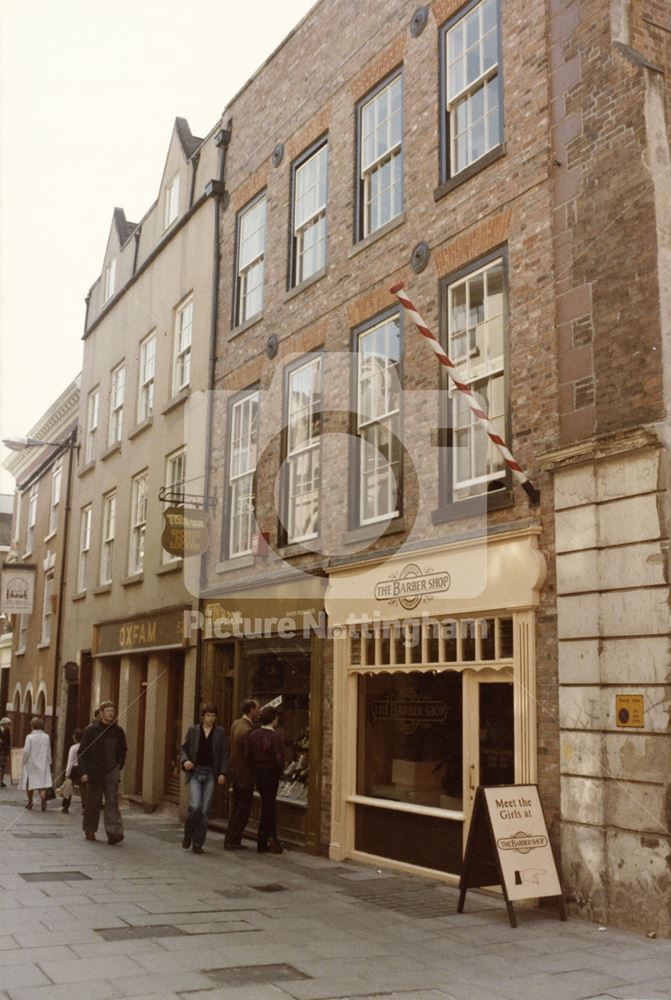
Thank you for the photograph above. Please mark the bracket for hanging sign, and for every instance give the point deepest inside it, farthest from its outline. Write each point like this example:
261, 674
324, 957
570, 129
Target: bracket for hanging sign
508, 845
175, 496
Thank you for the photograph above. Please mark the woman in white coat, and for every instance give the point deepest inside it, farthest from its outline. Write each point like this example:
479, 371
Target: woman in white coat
36, 768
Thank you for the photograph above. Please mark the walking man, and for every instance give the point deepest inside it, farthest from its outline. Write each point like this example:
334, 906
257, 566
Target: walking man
241, 775
204, 758
266, 754
102, 754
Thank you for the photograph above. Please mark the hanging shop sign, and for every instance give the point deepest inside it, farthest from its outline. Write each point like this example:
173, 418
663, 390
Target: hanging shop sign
163, 630
629, 711
185, 531
18, 588
508, 845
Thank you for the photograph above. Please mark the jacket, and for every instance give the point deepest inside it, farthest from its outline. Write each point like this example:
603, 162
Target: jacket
36, 767
91, 753
219, 750
242, 774
266, 750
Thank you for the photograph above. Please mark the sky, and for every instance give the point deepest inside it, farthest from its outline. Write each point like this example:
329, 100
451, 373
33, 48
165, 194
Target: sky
89, 92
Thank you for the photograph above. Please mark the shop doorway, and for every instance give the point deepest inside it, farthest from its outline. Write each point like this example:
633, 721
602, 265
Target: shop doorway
490, 733
173, 728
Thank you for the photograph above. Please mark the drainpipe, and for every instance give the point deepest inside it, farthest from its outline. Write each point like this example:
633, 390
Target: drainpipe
216, 189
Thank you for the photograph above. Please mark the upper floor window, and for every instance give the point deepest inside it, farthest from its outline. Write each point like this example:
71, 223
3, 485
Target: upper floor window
175, 478
23, 634
250, 262
183, 325
378, 415
471, 86
138, 524
303, 451
145, 406
475, 317
171, 204
116, 404
84, 548
92, 411
110, 279
241, 469
56, 477
108, 536
309, 215
32, 517
380, 124
47, 609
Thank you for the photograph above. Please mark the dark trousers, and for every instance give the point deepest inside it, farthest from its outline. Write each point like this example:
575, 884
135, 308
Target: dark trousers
107, 786
241, 806
267, 782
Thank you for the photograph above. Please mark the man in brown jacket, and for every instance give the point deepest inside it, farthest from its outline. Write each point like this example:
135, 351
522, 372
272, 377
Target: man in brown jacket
241, 775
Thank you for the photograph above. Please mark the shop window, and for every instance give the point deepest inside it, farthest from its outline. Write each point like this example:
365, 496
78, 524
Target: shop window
309, 215
410, 738
378, 418
471, 87
380, 137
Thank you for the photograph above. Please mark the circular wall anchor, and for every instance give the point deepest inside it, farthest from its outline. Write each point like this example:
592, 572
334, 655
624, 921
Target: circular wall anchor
278, 154
419, 21
272, 346
420, 257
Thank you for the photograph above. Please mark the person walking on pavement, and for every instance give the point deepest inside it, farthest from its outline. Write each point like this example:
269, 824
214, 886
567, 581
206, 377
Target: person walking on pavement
5, 748
72, 771
266, 755
36, 766
204, 758
241, 776
101, 756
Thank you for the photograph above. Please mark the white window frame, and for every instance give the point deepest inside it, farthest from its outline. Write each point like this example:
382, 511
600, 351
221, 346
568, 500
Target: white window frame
243, 447
183, 338
145, 403
379, 421
107, 538
56, 483
46, 608
175, 477
461, 93
171, 204
110, 279
250, 264
309, 214
471, 355
32, 517
23, 634
303, 450
92, 415
84, 548
373, 163
117, 392
138, 524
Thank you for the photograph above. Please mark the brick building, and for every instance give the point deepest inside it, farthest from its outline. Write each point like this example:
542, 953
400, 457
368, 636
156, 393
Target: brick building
484, 154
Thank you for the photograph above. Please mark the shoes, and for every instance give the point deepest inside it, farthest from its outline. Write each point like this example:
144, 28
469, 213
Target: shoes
275, 846
197, 850
66, 811
114, 838
262, 848
29, 805
89, 835
43, 806
235, 847
186, 843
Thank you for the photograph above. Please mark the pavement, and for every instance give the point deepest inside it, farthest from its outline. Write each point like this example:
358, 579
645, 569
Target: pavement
147, 919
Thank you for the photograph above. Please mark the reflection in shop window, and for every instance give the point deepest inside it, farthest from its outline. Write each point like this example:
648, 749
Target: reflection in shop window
410, 738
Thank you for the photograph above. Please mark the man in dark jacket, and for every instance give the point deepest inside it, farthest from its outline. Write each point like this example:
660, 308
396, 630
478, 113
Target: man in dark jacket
266, 756
204, 759
242, 775
102, 754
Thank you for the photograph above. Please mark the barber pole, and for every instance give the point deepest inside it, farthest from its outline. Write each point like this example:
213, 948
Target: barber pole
465, 390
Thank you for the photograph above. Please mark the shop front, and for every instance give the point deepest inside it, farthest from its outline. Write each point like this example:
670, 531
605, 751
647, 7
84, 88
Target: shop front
434, 694
146, 665
269, 645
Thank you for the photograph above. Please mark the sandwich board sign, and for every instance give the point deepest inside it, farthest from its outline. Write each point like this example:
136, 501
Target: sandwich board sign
508, 845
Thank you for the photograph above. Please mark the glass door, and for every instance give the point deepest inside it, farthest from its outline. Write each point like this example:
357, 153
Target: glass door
489, 757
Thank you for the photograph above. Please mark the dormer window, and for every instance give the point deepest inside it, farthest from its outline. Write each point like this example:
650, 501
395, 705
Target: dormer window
171, 202
110, 279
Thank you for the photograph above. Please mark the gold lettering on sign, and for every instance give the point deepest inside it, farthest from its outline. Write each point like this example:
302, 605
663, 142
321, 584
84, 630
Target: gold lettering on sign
137, 634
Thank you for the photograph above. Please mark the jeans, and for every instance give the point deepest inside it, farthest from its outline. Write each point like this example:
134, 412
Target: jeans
201, 793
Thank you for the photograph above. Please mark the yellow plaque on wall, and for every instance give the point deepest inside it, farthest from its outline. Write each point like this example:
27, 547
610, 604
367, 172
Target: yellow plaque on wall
629, 711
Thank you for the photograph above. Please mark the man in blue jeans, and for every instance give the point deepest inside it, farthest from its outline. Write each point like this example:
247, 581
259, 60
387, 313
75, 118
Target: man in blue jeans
204, 759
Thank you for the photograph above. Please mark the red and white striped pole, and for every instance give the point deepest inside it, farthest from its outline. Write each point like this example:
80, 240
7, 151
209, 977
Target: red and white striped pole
467, 393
